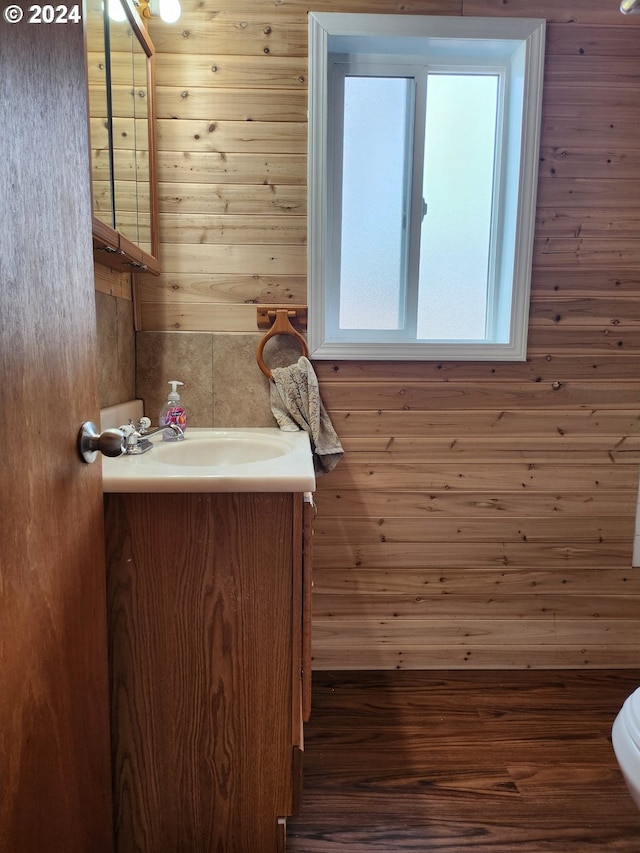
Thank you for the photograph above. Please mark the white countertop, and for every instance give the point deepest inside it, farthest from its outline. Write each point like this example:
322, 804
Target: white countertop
217, 460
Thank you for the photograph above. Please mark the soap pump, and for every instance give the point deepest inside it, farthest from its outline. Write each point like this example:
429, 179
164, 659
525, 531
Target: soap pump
173, 412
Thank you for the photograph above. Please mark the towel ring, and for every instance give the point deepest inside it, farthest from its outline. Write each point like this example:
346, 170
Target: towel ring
281, 326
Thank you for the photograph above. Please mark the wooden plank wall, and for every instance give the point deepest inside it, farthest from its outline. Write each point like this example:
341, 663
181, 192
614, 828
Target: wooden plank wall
112, 283
483, 514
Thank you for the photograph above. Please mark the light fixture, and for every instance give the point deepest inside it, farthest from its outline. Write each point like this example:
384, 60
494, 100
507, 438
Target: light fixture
116, 11
168, 11
630, 7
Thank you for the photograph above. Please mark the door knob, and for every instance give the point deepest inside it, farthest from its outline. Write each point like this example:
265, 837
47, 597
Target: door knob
110, 442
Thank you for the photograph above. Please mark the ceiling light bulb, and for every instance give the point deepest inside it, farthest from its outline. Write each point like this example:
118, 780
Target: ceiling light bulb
168, 10
116, 11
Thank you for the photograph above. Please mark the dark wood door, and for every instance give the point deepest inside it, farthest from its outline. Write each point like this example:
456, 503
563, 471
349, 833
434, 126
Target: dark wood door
54, 737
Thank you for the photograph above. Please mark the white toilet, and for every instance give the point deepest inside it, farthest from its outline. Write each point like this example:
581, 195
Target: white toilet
626, 743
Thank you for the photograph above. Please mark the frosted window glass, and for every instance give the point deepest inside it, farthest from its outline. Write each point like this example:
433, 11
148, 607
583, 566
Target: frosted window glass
460, 128
373, 237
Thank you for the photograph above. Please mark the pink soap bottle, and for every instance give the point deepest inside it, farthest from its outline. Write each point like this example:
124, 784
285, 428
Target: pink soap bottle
173, 412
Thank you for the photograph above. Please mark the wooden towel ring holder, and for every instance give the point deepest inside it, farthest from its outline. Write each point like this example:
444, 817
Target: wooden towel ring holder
281, 326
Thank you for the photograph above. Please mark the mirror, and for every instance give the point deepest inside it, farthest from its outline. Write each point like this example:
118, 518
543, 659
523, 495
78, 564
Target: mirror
97, 65
141, 148
120, 64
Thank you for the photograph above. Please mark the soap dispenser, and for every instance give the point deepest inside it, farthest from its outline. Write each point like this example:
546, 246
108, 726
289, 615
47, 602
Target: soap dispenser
173, 412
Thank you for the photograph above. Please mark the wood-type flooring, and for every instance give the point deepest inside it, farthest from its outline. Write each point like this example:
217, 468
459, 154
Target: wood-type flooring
456, 761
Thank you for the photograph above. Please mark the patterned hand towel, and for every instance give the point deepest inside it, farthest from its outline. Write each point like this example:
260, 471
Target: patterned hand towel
296, 404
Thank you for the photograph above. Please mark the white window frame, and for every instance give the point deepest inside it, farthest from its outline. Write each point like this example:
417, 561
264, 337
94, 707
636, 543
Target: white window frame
443, 41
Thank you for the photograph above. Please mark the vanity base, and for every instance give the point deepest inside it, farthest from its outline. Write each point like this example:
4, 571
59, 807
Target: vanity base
205, 597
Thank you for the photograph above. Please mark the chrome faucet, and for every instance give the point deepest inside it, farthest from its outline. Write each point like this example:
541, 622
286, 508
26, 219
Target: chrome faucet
174, 427
139, 437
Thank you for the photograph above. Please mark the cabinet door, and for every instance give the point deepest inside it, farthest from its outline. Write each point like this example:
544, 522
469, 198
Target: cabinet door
200, 612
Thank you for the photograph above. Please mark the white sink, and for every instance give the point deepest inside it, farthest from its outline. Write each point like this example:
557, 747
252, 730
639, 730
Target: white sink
217, 460
224, 448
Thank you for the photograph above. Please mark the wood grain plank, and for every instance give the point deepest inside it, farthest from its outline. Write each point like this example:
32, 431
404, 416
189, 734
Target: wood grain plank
215, 199
567, 12
588, 40
539, 367
215, 288
469, 633
451, 395
586, 129
223, 32
241, 260
581, 656
573, 192
399, 580
372, 554
231, 72
299, 8
593, 282
598, 71
619, 102
431, 527
585, 311
594, 339
277, 137
349, 503
205, 168
112, 283
190, 317
475, 477
572, 161
402, 453
241, 229
497, 422
231, 104
565, 222
558, 448
546, 608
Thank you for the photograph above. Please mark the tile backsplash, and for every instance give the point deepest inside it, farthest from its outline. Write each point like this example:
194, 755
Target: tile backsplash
223, 385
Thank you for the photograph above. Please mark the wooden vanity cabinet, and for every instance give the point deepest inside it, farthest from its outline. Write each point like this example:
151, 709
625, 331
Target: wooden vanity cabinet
210, 668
